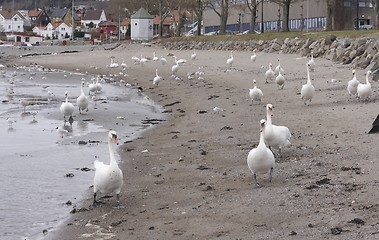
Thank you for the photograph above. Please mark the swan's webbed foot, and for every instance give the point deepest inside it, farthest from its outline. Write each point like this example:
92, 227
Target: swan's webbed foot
257, 185
95, 204
118, 205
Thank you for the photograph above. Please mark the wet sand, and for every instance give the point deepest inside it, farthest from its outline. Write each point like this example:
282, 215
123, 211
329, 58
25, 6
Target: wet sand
187, 178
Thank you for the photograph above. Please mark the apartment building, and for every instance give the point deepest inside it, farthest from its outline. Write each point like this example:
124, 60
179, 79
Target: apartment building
304, 15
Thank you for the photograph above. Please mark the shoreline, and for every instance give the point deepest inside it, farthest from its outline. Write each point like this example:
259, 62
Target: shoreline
193, 182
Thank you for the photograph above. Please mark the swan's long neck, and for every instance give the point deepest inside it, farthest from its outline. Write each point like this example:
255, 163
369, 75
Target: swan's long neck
308, 77
261, 141
156, 72
81, 89
367, 81
268, 118
111, 153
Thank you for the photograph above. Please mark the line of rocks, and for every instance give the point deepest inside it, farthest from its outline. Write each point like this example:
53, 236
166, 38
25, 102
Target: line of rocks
362, 53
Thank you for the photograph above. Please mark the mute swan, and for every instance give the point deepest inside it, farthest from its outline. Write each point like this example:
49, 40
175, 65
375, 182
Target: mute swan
255, 93
353, 84
307, 90
155, 58
143, 60
136, 60
279, 68
66, 108
280, 80
230, 60
174, 69
270, 74
113, 64
364, 90
276, 136
193, 56
123, 64
261, 159
98, 85
92, 87
179, 61
82, 100
312, 63
254, 56
163, 60
157, 78
108, 178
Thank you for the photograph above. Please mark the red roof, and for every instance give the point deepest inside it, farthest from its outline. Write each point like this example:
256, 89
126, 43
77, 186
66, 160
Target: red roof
166, 21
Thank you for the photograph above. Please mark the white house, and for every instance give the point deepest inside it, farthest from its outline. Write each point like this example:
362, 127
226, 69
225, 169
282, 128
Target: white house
93, 16
57, 31
11, 22
22, 38
141, 25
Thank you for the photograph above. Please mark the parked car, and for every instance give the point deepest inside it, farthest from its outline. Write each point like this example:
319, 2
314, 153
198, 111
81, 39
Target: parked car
365, 27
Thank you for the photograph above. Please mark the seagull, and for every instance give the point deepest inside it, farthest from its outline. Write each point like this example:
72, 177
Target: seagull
61, 131
10, 122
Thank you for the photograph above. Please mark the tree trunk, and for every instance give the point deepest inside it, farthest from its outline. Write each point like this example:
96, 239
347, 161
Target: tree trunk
253, 16
329, 15
224, 16
199, 17
376, 23
286, 16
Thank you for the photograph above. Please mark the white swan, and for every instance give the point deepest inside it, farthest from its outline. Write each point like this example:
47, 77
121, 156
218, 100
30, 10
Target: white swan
307, 90
193, 56
254, 56
157, 78
113, 64
143, 61
312, 63
364, 90
92, 87
269, 74
174, 69
353, 84
261, 159
163, 60
155, 58
123, 64
255, 93
276, 136
179, 61
230, 60
62, 131
279, 68
98, 85
82, 100
280, 80
108, 178
66, 107
10, 122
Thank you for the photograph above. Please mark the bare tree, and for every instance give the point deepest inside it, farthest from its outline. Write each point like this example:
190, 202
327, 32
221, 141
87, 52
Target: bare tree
376, 5
197, 7
285, 4
252, 6
221, 8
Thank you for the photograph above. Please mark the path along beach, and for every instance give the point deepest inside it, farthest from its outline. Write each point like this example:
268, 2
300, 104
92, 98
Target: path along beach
187, 178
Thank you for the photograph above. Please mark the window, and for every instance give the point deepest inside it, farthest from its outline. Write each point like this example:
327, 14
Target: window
18, 27
9, 26
15, 19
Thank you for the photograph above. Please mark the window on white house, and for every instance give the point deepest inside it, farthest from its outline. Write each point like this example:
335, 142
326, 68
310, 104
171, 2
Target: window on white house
9, 26
15, 19
18, 27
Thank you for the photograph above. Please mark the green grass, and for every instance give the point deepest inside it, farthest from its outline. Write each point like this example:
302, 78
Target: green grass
278, 35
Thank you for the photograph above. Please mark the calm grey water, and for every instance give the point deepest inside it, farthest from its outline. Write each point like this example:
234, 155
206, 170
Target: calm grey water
34, 160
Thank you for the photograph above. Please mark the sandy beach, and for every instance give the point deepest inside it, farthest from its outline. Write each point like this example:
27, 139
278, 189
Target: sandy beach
187, 178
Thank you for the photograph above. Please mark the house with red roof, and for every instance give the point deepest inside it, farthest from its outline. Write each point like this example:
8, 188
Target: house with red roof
91, 18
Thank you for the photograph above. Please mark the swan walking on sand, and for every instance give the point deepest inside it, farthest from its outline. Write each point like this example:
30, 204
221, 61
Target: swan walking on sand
193, 56
108, 178
364, 90
163, 60
254, 56
279, 68
82, 101
230, 60
261, 159
269, 74
255, 93
280, 80
353, 84
66, 108
307, 90
157, 78
276, 136
312, 63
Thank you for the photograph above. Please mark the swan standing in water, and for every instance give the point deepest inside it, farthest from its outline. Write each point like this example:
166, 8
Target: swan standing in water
307, 90
276, 136
108, 178
82, 100
255, 93
364, 90
66, 108
261, 159
353, 84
